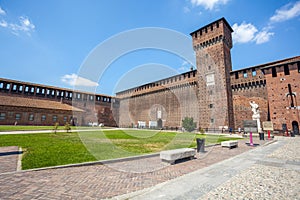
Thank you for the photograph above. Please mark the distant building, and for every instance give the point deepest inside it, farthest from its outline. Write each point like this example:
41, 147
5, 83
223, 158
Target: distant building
35, 104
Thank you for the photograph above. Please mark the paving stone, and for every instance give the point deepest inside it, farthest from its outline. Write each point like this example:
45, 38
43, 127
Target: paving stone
104, 181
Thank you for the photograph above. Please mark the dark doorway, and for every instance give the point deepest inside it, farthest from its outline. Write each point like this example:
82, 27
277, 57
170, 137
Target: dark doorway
295, 126
159, 124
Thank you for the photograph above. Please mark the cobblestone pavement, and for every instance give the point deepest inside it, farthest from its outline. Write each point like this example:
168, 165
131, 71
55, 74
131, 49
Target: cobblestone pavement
275, 177
9, 159
268, 172
109, 180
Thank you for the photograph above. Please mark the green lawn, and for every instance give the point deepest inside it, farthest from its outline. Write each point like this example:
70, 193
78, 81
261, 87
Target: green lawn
38, 128
49, 149
28, 128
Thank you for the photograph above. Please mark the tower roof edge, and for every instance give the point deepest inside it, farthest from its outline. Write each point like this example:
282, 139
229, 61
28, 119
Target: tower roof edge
221, 19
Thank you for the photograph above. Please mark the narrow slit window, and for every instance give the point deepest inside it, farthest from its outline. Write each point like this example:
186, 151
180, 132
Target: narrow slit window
274, 73
286, 70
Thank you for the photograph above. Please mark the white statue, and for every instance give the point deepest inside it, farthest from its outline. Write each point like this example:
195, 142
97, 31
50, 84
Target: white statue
256, 115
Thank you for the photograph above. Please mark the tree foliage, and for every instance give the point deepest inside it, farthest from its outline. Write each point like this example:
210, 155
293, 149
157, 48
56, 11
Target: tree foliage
188, 124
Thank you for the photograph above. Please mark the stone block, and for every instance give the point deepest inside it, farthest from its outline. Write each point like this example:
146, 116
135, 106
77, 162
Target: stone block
171, 156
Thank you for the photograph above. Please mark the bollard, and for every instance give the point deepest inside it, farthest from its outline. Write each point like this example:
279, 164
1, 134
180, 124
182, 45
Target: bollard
251, 139
269, 135
200, 145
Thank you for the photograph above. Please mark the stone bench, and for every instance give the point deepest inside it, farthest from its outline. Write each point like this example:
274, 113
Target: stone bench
171, 156
230, 143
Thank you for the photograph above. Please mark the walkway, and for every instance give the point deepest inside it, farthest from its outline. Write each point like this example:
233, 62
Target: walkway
9, 157
208, 176
270, 172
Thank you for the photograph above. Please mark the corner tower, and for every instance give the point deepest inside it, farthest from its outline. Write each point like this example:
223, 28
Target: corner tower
212, 44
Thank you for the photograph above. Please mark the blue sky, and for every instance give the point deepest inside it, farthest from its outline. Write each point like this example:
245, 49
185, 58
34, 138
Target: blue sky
47, 42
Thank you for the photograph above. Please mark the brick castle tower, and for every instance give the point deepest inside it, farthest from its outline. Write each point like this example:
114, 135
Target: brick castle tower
212, 44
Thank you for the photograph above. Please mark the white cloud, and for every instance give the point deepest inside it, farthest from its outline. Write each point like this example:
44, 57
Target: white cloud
262, 37
2, 12
75, 80
245, 33
208, 4
186, 9
286, 12
3, 23
185, 67
24, 25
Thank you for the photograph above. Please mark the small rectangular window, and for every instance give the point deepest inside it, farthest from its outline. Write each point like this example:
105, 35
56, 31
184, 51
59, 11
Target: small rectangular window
211, 105
1, 85
26, 89
32, 90
253, 72
65, 118
18, 116
7, 86
236, 75
43, 118
54, 118
245, 74
212, 120
2, 116
31, 117
274, 73
286, 70
14, 87
20, 88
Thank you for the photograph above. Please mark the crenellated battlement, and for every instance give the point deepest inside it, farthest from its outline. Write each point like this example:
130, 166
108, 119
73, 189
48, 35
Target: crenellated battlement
186, 79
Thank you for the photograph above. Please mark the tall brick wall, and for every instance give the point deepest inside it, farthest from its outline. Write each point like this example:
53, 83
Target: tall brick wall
284, 103
248, 85
169, 99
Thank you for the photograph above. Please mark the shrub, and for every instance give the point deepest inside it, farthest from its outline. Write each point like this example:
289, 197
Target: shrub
188, 124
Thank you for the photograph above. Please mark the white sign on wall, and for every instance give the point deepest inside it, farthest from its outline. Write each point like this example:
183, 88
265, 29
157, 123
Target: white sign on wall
159, 114
210, 79
141, 124
152, 124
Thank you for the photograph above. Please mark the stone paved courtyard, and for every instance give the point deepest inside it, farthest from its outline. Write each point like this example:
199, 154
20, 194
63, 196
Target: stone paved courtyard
118, 178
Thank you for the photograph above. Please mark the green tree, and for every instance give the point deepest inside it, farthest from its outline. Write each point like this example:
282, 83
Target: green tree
67, 127
56, 125
188, 124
